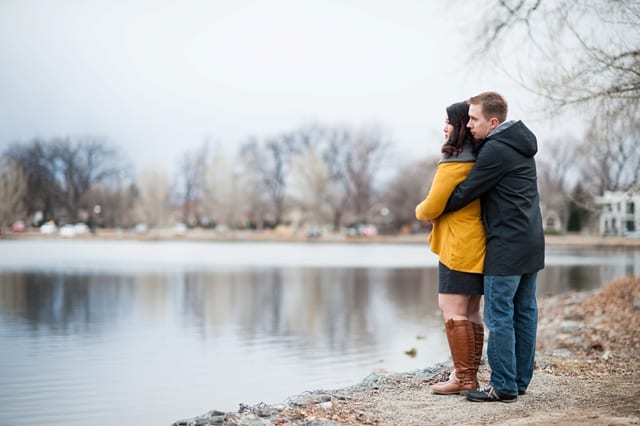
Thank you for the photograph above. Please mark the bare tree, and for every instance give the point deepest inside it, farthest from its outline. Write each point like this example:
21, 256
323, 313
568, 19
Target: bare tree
249, 179
583, 52
310, 175
269, 163
581, 57
61, 172
406, 189
13, 189
611, 153
557, 171
192, 175
78, 165
335, 153
221, 203
581, 209
344, 165
154, 189
276, 173
45, 192
363, 164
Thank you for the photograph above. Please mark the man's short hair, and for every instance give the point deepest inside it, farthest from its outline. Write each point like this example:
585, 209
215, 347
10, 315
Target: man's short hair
493, 105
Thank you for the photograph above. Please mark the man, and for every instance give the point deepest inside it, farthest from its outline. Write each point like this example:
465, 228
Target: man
504, 178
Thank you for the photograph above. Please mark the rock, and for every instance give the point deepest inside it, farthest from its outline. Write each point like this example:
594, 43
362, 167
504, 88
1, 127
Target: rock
251, 420
205, 421
340, 396
569, 327
326, 405
320, 398
541, 363
561, 353
411, 352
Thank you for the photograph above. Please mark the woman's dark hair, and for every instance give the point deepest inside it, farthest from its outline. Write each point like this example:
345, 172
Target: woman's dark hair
458, 116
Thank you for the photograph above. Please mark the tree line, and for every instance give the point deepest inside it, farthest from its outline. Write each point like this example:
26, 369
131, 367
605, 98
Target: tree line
315, 175
324, 176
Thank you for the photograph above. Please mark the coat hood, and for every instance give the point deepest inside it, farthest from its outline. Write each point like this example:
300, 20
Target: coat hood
516, 135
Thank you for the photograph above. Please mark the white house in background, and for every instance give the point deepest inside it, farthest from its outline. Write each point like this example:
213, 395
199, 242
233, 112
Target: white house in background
620, 214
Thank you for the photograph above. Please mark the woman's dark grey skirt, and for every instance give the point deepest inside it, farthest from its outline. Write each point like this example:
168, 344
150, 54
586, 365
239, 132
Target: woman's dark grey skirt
456, 282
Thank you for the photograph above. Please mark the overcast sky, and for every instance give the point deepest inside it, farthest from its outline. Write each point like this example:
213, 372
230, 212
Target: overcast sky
157, 77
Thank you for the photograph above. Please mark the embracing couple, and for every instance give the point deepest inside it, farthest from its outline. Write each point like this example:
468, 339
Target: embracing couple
487, 232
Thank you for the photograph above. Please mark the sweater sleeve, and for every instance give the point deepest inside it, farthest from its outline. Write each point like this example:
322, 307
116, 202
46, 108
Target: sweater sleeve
441, 188
485, 174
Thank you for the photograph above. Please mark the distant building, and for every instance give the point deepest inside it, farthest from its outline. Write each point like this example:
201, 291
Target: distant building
551, 222
620, 214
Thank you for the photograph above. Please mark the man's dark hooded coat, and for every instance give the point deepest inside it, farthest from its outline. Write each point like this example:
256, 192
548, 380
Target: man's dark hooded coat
504, 178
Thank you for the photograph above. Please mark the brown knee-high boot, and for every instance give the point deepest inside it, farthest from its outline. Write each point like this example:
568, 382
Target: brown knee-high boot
478, 339
462, 344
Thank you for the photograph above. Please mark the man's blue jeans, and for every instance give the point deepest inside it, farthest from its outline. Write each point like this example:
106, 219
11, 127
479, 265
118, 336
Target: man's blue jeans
511, 315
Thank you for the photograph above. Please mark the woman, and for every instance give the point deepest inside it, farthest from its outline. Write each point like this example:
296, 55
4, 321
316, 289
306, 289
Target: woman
458, 238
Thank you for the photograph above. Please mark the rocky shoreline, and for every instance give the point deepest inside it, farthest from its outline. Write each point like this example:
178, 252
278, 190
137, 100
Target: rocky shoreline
587, 373
310, 407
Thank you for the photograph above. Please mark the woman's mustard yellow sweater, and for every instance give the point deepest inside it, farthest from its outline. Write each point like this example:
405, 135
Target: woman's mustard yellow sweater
458, 238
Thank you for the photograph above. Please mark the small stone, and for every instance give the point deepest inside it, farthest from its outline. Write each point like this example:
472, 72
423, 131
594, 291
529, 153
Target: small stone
265, 411
326, 405
541, 363
569, 327
320, 423
411, 352
340, 396
561, 353
317, 399
232, 418
251, 420
216, 420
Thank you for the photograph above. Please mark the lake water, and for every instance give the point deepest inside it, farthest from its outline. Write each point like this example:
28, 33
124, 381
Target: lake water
146, 333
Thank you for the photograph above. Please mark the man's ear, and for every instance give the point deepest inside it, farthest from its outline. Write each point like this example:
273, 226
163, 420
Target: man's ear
494, 122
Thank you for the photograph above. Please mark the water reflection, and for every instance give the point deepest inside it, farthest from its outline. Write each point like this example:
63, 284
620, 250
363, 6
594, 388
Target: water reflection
307, 302
585, 268
255, 334
66, 303
155, 345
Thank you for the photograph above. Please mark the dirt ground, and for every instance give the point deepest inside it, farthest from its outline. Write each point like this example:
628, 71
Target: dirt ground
587, 373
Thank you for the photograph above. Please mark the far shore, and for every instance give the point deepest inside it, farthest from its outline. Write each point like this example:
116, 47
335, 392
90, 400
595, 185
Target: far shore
567, 240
